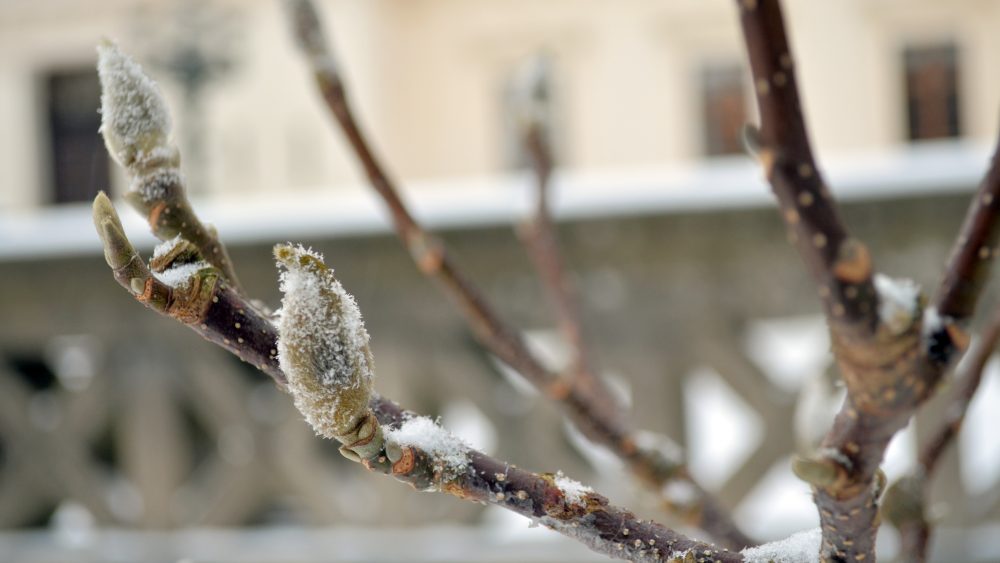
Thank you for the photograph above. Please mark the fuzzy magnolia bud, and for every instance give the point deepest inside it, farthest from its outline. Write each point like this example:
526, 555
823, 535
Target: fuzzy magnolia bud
323, 349
134, 118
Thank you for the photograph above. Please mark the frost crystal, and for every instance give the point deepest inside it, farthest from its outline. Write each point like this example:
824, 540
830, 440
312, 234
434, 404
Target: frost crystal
802, 547
178, 277
423, 433
574, 491
322, 344
898, 302
134, 118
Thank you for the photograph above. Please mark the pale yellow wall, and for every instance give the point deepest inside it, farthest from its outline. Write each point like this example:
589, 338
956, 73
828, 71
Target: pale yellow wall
427, 76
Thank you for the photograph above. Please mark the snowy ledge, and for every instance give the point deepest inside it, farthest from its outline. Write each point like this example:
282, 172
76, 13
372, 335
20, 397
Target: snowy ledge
727, 183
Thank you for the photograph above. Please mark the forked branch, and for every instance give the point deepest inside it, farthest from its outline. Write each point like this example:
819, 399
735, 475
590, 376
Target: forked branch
888, 351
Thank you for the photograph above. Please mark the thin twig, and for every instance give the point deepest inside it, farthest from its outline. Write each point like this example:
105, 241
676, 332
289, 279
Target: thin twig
208, 306
594, 418
538, 235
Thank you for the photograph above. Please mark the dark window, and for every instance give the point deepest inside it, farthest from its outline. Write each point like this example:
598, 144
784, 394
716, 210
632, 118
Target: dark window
932, 92
724, 109
78, 158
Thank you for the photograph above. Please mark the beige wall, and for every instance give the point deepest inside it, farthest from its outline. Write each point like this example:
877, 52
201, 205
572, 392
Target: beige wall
428, 74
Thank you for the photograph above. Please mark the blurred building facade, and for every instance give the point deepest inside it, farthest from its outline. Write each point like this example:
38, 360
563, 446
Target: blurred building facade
113, 418
637, 83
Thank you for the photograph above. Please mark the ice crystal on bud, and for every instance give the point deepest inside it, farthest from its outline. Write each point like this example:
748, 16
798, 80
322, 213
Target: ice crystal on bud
134, 118
322, 344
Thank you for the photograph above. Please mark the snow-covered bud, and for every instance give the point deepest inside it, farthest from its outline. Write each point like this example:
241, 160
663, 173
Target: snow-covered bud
323, 350
134, 118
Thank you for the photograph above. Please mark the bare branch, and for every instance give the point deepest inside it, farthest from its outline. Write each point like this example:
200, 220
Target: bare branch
840, 265
595, 418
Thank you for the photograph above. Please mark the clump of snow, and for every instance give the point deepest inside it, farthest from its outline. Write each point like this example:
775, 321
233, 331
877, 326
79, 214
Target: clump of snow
898, 302
166, 246
322, 343
134, 117
680, 493
178, 277
423, 433
573, 491
667, 449
802, 547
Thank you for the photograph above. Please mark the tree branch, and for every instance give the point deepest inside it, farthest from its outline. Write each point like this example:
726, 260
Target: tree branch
883, 343
595, 419
840, 265
204, 302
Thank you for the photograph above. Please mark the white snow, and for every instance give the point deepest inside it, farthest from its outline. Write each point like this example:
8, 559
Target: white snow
574, 491
134, 117
423, 433
802, 547
178, 277
897, 301
933, 323
166, 246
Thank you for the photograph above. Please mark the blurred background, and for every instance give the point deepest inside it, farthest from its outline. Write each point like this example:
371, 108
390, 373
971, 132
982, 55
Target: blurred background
124, 437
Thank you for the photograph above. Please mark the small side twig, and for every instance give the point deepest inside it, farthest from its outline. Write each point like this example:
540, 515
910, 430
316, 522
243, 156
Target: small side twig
595, 419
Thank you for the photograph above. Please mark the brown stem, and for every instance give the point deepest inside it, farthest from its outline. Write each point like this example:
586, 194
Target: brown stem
595, 419
839, 264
